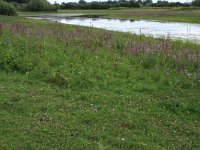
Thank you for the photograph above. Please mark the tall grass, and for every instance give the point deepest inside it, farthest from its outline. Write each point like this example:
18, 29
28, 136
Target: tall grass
74, 87
58, 55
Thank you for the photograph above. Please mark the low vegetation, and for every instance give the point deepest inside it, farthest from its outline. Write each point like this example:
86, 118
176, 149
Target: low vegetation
7, 9
62, 89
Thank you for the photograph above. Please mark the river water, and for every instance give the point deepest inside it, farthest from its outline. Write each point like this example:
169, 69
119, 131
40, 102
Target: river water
176, 30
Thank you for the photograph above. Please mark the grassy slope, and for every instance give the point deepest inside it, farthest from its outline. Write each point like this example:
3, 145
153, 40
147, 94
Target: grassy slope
96, 100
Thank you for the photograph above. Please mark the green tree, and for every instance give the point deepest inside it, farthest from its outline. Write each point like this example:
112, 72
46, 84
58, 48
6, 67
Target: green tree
196, 3
17, 1
7, 9
82, 2
40, 5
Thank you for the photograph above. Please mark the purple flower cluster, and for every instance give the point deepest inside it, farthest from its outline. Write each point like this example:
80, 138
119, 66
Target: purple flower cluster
1, 26
182, 58
87, 39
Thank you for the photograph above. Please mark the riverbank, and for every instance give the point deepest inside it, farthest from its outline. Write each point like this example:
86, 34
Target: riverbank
62, 89
182, 31
179, 14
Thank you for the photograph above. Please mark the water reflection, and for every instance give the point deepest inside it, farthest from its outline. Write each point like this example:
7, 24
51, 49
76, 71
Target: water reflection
187, 31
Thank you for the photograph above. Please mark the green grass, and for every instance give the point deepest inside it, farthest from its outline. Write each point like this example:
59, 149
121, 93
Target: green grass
65, 90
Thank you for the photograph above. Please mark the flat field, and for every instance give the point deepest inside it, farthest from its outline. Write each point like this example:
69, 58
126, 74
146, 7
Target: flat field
70, 87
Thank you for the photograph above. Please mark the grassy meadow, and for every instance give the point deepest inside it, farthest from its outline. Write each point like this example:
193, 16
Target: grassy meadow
71, 87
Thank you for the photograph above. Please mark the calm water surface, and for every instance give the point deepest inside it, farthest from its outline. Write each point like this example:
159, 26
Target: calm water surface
185, 31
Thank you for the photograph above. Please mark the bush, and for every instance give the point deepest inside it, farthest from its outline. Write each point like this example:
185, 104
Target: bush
40, 5
7, 9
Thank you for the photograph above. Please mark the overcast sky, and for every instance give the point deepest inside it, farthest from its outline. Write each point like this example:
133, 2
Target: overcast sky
66, 1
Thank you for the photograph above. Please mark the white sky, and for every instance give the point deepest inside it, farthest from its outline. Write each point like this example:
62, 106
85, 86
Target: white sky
66, 1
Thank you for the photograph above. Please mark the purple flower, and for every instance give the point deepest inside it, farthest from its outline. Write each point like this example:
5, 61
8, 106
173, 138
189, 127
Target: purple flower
1, 26
196, 57
178, 59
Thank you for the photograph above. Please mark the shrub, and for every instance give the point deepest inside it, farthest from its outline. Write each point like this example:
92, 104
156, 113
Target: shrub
40, 5
7, 9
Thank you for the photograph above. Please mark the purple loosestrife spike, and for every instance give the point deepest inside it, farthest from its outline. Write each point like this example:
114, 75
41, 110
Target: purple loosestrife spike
138, 48
154, 47
196, 57
163, 48
190, 58
168, 37
145, 49
178, 59
185, 53
134, 50
1, 26
30, 32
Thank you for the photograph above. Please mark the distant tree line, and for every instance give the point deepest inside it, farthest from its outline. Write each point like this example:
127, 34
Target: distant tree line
196, 3
169, 4
123, 3
99, 5
6, 6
